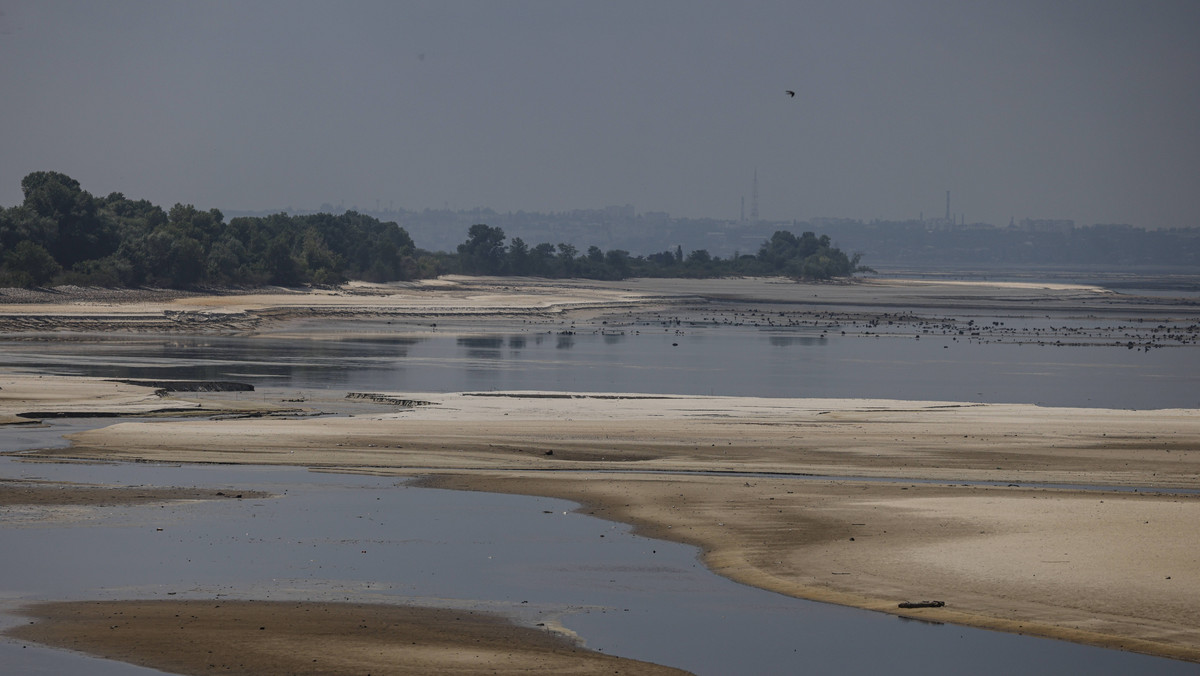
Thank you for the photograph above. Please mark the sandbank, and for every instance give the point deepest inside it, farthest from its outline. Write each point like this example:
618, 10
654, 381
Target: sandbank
265, 638
18, 493
84, 310
774, 492
27, 399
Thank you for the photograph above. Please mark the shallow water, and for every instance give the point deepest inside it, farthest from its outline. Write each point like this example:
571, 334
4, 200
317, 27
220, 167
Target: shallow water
333, 537
741, 361
338, 537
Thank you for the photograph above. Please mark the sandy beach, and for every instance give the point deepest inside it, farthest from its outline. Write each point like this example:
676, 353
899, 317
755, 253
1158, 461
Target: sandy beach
861, 502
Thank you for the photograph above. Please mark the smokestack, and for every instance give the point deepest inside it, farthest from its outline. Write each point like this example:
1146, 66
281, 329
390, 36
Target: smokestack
947, 206
754, 199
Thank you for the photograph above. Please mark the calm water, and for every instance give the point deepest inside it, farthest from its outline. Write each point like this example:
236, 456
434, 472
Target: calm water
334, 537
337, 537
727, 361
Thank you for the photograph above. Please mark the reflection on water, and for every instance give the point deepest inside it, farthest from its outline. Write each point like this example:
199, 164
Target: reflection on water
482, 347
788, 341
337, 537
739, 361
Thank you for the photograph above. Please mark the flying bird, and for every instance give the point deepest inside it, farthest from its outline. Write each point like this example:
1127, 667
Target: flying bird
790, 93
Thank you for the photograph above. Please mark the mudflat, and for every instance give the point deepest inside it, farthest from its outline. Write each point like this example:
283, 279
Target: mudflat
282, 638
867, 503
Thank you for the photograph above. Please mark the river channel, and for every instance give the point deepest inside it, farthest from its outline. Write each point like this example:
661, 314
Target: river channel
339, 537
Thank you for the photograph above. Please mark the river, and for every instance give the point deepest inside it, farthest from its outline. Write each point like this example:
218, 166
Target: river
333, 537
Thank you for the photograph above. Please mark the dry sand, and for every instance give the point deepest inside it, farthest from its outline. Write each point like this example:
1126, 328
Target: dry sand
95, 310
1099, 567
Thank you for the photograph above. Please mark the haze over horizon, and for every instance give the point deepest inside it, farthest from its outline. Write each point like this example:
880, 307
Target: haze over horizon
1064, 110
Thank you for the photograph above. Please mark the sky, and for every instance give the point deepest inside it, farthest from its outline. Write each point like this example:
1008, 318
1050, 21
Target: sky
1083, 109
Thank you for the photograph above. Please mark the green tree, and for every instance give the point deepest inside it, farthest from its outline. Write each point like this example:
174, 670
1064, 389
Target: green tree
29, 264
279, 265
81, 232
483, 252
518, 257
541, 260
617, 262
566, 258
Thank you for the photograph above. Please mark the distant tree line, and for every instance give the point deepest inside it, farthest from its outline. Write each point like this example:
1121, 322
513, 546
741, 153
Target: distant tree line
805, 257
63, 234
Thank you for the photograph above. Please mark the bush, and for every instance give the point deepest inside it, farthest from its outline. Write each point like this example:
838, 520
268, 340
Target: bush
31, 263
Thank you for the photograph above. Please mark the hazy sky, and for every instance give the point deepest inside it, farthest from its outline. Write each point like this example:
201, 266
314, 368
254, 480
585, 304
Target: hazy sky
1021, 108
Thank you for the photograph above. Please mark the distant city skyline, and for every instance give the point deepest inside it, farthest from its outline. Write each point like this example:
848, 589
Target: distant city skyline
1057, 109
631, 211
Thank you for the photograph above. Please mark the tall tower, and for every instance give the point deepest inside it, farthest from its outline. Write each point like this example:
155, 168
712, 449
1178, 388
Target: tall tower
754, 198
947, 206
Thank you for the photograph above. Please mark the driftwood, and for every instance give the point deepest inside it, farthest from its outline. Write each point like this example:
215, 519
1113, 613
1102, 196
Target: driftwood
922, 604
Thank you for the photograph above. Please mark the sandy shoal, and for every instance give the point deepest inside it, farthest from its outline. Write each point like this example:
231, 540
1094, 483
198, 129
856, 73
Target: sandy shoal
1100, 567
28, 399
449, 296
32, 493
24, 397
266, 638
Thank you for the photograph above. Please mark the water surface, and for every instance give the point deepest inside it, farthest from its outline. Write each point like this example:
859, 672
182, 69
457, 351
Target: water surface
337, 537
734, 361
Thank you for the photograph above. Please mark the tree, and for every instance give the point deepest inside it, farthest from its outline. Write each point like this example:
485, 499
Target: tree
483, 252
518, 257
279, 265
566, 258
81, 232
778, 250
541, 259
29, 264
617, 262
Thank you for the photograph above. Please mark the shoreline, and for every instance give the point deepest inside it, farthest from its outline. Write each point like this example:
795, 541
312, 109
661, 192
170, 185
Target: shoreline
842, 579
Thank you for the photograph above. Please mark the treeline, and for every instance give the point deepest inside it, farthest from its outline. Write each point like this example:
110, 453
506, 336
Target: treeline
805, 257
61, 233
64, 235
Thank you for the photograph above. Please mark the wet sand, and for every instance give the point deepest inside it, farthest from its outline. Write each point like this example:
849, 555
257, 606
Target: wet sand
28, 399
726, 474
16, 493
266, 638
